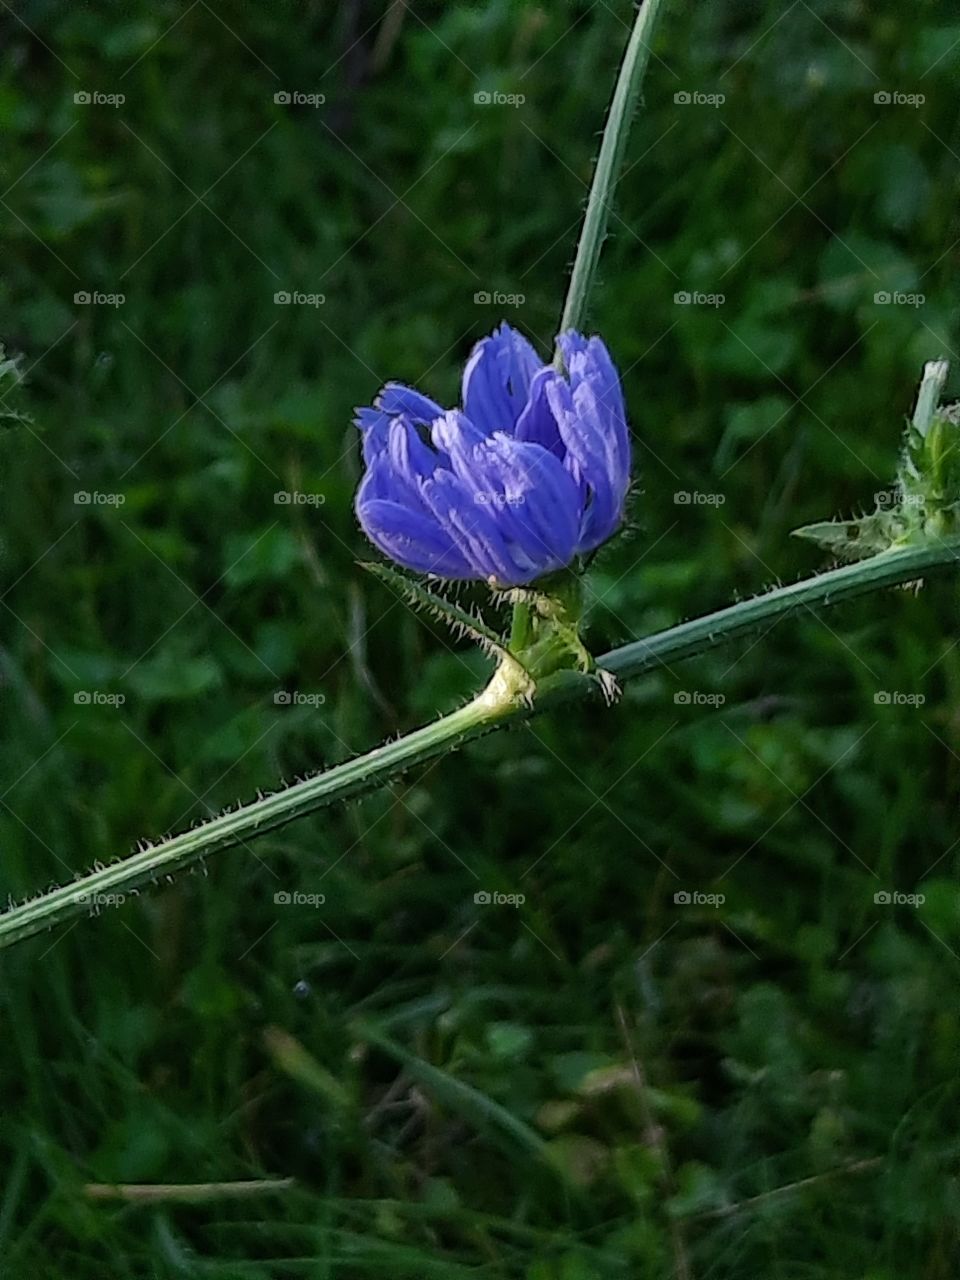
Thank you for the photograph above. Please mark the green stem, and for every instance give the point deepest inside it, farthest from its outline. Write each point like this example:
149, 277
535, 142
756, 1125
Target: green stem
602, 187
492, 708
691, 638
625, 97
520, 626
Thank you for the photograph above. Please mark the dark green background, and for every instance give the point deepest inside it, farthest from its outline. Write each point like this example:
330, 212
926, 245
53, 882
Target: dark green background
761, 1089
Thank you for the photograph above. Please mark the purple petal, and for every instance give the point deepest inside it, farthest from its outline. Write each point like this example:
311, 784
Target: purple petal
527, 493
471, 527
589, 363
537, 502
453, 434
395, 398
536, 423
413, 540
592, 422
410, 459
535, 469
375, 426
496, 380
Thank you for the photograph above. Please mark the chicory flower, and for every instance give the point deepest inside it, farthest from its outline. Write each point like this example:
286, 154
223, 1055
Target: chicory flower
532, 471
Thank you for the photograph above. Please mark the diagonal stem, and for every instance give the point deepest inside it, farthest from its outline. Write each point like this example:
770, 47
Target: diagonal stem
491, 709
609, 160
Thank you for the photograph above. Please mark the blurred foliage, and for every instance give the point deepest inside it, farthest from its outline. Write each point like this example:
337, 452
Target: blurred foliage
601, 1082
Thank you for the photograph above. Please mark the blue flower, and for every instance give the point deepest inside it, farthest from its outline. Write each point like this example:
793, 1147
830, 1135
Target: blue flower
531, 472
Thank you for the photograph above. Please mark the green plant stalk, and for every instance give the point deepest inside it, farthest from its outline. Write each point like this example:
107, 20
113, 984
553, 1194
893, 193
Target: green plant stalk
626, 94
494, 707
622, 107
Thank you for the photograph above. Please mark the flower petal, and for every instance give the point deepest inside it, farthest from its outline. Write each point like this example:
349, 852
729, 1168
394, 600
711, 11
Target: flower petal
471, 527
539, 503
454, 435
537, 423
589, 363
533, 501
411, 539
592, 422
535, 469
400, 464
395, 398
375, 425
496, 379
410, 459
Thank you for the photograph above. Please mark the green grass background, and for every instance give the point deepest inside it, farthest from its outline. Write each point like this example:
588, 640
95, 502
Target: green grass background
601, 1083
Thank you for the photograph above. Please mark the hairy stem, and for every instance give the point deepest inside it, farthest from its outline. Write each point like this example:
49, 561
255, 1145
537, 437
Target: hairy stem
625, 97
496, 706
